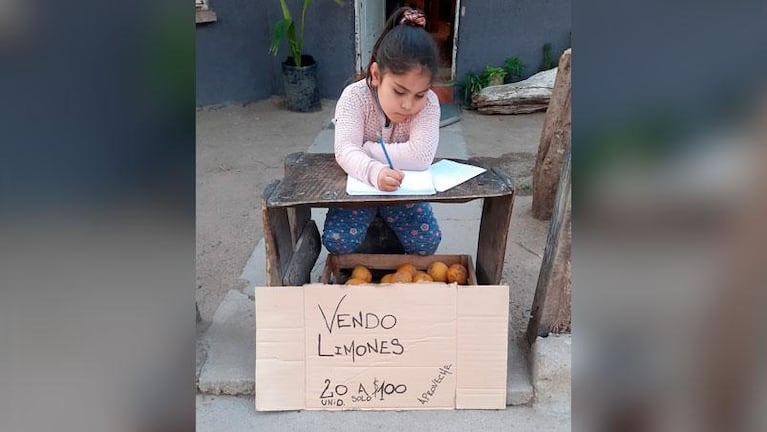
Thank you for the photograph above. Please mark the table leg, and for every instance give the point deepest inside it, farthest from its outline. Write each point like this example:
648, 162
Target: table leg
297, 216
493, 232
277, 238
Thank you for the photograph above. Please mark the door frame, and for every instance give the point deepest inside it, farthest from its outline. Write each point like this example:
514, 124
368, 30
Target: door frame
360, 15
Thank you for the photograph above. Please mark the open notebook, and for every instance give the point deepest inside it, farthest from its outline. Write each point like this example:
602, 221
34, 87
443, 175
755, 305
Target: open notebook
440, 177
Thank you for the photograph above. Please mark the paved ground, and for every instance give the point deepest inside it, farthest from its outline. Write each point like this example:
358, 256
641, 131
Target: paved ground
231, 414
240, 149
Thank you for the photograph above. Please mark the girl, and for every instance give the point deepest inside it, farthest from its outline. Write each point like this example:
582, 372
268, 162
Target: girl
394, 102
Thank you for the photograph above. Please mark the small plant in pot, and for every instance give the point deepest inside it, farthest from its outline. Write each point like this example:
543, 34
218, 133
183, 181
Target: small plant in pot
299, 70
514, 69
494, 75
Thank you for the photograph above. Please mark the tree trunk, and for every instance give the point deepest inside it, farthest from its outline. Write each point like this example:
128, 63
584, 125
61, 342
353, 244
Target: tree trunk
555, 140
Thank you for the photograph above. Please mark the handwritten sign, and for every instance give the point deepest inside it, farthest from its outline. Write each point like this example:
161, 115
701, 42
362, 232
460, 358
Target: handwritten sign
400, 346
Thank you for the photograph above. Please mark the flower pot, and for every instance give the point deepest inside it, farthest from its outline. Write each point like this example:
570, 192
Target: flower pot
302, 92
444, 93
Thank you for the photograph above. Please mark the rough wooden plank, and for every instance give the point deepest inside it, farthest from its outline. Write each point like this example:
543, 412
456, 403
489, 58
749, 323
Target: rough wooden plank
335, 263
317, 181
493, 233
555, 140
277, 239
305, 253
553, 292
298, 216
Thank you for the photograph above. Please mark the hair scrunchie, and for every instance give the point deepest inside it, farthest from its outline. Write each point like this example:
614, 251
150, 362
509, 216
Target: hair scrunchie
413, 17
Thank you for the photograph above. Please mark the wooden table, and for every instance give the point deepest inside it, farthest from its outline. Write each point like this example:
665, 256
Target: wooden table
315, 180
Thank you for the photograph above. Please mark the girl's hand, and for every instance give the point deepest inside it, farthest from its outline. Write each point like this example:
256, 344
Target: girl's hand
389, 179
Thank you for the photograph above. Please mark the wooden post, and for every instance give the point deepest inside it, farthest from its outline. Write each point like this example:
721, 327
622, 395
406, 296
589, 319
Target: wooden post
493, 234
298, 216
555, 142
277, 237
553, 293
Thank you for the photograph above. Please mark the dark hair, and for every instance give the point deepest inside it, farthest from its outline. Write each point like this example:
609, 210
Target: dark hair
403, 45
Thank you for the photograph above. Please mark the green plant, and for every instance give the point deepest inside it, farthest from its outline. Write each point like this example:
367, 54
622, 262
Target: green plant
472, 83
514, 68
493, 74
286, 28
548, 61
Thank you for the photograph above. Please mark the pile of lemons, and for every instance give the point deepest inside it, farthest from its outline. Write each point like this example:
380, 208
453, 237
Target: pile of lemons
408, 273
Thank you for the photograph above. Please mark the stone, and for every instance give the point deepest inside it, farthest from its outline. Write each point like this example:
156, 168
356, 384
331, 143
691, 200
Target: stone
231, 348
551, 364
527, 96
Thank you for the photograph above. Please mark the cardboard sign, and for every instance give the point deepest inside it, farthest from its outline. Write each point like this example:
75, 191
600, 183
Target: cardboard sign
399, 346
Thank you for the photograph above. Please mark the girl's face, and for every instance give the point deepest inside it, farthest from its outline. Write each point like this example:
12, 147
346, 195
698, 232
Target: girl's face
401, 95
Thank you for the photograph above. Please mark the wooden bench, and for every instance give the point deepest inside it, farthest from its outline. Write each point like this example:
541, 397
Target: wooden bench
314, 180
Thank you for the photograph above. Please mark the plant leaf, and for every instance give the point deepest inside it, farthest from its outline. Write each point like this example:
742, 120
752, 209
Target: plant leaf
283, 28
285, 10
303, 20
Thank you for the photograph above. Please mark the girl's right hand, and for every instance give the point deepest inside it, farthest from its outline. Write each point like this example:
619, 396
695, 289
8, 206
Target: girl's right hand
389, 179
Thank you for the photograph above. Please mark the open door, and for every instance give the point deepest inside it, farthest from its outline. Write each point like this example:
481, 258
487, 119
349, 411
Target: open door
441, 23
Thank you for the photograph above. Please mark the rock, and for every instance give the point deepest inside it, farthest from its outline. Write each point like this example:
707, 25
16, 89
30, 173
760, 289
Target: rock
555, 141
530, 95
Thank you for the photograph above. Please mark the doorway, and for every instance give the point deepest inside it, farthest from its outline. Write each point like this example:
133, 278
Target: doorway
441, 23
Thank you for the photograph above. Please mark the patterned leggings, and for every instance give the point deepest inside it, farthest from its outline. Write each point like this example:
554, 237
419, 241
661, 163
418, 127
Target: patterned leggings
414, 225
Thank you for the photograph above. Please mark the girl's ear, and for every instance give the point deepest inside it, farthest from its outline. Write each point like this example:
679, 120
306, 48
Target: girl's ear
375, 74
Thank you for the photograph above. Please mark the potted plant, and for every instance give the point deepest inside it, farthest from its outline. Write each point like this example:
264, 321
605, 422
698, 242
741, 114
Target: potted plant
548, 60
471, 84
444, 91
494, 75
299, 71
514, 69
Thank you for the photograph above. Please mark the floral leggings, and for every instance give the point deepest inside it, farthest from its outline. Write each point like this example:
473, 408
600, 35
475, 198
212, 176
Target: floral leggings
414, 224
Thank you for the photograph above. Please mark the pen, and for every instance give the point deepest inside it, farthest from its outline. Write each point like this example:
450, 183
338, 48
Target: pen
388, 159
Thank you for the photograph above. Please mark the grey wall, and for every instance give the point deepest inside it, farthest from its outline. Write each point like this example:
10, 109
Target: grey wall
492, 30
232, 59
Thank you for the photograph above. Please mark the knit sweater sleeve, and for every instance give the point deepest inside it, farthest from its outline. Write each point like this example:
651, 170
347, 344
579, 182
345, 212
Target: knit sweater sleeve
417, 153
349, 138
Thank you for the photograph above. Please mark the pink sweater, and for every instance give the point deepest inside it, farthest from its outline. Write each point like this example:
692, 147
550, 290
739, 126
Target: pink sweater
358, 122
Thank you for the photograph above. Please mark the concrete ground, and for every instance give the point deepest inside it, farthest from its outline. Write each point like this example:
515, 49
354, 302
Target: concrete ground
240, 149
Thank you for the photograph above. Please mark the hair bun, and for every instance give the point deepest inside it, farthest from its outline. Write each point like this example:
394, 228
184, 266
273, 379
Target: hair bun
413, 17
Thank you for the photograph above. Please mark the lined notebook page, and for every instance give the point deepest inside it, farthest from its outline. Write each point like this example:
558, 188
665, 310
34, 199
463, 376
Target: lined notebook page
414, 183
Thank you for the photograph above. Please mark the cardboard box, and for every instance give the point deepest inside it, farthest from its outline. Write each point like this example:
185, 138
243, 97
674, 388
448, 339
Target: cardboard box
387, 263
381, 347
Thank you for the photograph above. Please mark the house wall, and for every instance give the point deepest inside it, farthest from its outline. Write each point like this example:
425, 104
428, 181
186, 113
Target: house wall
491, 30
233, 64
232, 59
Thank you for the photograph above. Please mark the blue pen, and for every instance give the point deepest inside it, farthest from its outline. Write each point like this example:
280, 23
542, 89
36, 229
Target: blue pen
388, 159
